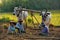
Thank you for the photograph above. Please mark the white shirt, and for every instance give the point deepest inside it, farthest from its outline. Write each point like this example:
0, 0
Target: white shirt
48, 18
23, 15
20, 26
47, 21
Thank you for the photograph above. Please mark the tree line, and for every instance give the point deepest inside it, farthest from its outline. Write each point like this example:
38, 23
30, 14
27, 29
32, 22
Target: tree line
8, 5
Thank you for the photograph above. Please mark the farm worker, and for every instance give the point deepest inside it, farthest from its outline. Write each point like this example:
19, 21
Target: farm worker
44, 31
11, 28
20, 27
47, 21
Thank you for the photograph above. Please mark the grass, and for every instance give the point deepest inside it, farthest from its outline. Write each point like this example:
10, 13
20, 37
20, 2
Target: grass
55, 20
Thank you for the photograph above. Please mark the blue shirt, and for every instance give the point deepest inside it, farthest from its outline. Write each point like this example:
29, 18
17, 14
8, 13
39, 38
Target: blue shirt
11, 28
20, 26
44, 30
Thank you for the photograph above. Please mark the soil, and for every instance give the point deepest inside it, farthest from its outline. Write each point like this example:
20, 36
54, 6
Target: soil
31, 34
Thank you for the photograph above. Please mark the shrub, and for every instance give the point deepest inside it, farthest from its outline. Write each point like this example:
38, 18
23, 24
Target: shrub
4, 19
29, 20
5, 27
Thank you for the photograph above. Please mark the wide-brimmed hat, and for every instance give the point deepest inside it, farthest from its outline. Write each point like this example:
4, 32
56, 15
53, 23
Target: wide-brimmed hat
13, 22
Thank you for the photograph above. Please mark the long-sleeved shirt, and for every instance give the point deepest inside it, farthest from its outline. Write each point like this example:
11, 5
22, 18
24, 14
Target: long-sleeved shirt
44, 30
11, 28
20, 26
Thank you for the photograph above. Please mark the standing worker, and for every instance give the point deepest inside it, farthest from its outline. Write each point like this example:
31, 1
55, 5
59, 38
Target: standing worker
21, 15
46, 23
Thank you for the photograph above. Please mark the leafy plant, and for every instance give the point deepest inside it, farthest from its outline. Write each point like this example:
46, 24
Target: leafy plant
5, 27
4, 19
29, 20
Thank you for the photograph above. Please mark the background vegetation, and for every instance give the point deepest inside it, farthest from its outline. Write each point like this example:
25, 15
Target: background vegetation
8, 5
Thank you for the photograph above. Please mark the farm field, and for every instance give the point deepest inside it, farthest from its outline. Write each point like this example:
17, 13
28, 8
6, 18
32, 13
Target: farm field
33, 30
55, 17
31, 34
